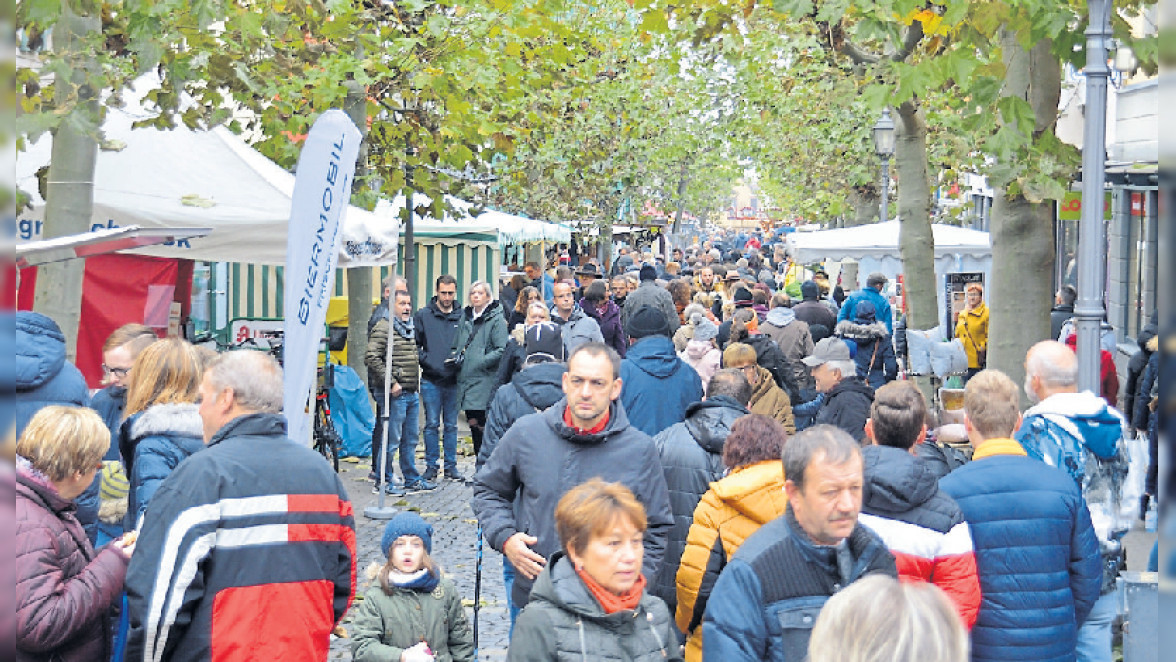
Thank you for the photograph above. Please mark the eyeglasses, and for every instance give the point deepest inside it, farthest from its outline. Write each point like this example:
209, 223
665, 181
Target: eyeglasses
117, 372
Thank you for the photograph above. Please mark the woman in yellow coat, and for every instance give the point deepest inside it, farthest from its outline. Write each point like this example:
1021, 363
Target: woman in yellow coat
972, 328
751, 495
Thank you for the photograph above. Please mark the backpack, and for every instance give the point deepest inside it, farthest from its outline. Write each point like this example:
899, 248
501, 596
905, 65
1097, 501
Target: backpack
768, 355
1065, 441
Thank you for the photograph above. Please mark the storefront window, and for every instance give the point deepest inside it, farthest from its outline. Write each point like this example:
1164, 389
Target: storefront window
1142, 270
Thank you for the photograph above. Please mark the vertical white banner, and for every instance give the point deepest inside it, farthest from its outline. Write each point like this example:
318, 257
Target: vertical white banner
322, 190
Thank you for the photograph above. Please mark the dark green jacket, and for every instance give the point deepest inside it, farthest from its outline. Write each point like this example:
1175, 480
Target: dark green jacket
405, 364
383, 625
483, 340
563, 621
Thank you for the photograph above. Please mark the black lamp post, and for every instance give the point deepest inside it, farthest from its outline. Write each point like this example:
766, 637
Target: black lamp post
884, 147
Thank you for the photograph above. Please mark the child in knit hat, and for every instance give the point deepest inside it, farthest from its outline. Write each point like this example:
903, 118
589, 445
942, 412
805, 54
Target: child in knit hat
413, 614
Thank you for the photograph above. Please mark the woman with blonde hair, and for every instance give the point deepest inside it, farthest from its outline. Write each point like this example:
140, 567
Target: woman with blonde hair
163, 425
515, 352
64, 588
880, 619
972, 328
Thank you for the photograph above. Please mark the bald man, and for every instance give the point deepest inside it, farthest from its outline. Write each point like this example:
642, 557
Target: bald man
1078, 432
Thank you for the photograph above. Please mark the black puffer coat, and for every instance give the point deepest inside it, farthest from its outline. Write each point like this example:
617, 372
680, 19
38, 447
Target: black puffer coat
847, 406
531, 390
691, 455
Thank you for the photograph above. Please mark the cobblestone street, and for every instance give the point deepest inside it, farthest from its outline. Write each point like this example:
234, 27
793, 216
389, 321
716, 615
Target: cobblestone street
455, 537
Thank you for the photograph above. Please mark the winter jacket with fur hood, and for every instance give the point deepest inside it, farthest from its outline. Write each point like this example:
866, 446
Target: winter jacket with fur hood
156, 441
691, 454
875, 353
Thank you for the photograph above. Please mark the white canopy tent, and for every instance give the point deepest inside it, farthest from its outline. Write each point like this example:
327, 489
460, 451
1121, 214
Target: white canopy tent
511, 229
188, 178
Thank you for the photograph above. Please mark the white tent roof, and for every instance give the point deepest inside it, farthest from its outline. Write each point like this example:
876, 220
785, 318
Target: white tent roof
185, 178
880, 240
511, 229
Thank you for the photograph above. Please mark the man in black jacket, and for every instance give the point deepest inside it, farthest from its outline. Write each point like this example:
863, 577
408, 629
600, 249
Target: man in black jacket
543, 455
436, 329
691, 454
847, 397
1062, 311
249, 545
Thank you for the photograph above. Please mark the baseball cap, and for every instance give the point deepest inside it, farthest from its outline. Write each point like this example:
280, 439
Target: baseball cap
829, 349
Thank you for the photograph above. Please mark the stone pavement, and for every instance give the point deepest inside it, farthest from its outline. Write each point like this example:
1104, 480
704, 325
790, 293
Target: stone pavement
455, 533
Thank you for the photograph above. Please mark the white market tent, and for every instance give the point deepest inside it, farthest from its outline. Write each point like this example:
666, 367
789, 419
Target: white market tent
511, 229
875, 248
189, 178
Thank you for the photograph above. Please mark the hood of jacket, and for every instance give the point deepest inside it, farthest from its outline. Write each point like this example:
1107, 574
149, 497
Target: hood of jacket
780, 316
862, 334
710, 421
765, 382
1148, 332
561, 586
540, 385
755, 491
40, 350
618, 422
1083, 403
170, 420
850, 385
896, 481
655, 355
697, 349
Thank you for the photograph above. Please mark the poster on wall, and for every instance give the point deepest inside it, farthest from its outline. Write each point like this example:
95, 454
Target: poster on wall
954, 286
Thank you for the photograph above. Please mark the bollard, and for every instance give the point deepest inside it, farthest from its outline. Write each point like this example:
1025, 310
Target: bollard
1141, 616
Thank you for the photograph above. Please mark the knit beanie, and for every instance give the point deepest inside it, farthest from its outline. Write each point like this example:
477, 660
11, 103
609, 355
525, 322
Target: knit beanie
647, 321
648, 272
544, 339
810, 290
743, 298
705, 330
114, 481
407, 523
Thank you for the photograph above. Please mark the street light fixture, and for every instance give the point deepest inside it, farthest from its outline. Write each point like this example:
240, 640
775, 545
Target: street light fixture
884, 139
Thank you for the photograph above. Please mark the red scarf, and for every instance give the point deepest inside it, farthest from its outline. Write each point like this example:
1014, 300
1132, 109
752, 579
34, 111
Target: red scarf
597, 429
611, 602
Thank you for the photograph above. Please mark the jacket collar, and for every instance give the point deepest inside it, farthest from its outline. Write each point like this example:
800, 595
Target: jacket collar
617, 422
994, 447
252, 425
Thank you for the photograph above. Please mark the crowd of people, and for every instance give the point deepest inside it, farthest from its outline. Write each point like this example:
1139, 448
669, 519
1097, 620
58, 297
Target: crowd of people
710, 457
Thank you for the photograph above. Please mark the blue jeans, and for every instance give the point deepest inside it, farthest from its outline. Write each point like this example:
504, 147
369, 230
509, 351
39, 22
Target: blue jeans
1094, 636
440, 400
403, 422
508, 575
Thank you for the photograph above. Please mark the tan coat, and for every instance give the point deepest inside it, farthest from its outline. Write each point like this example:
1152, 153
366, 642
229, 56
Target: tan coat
770, 400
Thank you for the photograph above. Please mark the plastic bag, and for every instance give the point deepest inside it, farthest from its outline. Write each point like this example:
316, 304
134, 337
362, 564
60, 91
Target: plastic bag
351, 412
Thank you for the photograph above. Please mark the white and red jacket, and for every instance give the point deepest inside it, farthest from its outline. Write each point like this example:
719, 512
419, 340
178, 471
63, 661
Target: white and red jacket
247, 552
923, 527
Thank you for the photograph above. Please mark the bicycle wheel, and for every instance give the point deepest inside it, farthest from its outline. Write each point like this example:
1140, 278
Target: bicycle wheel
326, 438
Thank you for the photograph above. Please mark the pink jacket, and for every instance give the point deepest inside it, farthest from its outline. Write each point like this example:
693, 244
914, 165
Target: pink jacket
704, 357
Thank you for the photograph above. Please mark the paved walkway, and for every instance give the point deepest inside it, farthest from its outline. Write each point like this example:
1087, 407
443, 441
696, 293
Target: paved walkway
455, 534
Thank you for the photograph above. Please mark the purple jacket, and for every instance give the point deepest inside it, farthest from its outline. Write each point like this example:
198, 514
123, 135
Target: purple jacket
610, 324
64, 590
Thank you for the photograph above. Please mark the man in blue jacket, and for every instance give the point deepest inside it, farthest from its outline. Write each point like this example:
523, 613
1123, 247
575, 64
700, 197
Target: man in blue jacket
766, 601
872, 292
657, 386
1036, 550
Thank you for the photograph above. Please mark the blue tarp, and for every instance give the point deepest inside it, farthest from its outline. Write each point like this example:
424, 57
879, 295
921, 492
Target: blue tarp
351, 412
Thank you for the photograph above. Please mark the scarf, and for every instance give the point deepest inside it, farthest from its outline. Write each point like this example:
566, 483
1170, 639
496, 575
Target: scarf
404, 329
611, 602
422, 580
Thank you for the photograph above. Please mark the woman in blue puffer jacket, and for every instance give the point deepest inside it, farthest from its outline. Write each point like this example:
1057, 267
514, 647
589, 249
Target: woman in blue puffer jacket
874, 352
163, 425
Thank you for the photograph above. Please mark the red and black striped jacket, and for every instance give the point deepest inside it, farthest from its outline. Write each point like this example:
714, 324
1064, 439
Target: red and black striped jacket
247, 552
923, 527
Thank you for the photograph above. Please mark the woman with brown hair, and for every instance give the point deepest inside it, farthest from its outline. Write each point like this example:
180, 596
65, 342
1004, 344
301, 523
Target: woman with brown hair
527, 296
751, 495
64, 589
591, 596
163, 425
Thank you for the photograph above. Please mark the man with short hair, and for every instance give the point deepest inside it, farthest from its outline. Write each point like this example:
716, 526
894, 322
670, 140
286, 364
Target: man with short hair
436, 329
872, 292
658, 384
403, 416
691, 454
619, 289
1079, 433
1063, 310
248, 548
649, 293
814, 313
375, 382
540, 280
1035, 547
576, 328
901, 502
847, 396
545, 454
766, 601
392, 282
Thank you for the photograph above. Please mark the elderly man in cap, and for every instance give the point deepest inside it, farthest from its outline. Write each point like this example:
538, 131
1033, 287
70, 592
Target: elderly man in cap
657, 385
650, 294
586, 274
847, 397
872, 292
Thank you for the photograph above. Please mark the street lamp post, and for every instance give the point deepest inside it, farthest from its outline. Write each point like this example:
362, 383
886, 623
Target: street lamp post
1088, 310
884, 147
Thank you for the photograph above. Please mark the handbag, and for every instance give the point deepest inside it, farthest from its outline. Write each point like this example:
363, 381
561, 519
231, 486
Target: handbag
981, 354
457, 357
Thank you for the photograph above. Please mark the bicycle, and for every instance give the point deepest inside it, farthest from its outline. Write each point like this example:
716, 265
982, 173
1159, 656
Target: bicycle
327, 440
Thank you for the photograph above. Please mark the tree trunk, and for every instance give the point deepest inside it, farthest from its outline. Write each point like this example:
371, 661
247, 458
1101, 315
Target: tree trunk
915, 242
864, 201
69, 196
1021, 291
359, 280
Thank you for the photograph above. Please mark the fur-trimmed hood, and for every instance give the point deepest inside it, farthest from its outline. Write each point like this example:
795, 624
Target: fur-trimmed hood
169, 419
862, 333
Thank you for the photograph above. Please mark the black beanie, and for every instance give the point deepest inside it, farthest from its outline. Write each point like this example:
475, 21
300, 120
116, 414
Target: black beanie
810, 290
648, 272
647, 321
